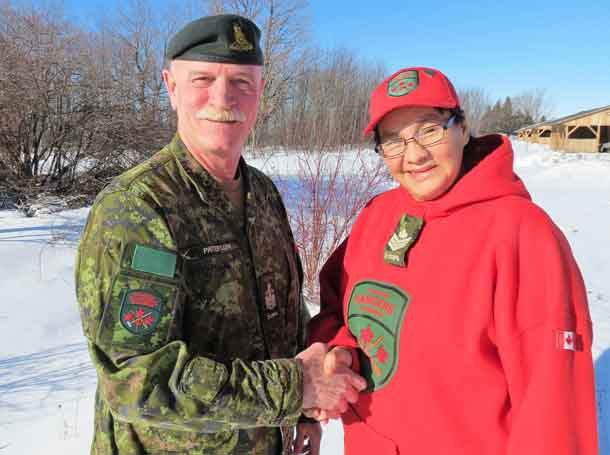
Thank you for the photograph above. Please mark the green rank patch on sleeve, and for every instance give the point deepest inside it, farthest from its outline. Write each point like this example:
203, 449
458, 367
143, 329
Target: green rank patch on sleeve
151, 260
375, 316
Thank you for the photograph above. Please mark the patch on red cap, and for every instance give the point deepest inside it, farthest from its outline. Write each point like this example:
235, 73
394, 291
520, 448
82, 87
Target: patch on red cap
403, 83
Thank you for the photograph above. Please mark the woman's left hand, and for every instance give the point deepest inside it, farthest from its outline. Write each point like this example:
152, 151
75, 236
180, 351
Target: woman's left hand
307, 440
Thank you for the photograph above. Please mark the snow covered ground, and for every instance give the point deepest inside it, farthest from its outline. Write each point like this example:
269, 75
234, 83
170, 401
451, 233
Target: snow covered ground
47, 383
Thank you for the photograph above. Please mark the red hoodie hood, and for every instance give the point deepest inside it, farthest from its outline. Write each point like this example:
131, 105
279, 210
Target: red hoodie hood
489, 175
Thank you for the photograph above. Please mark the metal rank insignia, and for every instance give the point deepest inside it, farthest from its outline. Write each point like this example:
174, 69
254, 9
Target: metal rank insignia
270, 301
403, 237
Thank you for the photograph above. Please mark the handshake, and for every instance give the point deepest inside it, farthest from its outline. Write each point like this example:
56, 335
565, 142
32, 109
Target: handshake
329, 384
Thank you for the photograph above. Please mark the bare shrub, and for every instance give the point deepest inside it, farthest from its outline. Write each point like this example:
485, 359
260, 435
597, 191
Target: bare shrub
324, 198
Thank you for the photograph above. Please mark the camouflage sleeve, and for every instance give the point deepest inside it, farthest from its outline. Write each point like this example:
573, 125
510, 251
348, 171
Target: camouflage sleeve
130, 296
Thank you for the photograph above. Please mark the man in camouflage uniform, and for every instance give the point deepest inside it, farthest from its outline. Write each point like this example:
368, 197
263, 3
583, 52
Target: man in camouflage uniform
188, 279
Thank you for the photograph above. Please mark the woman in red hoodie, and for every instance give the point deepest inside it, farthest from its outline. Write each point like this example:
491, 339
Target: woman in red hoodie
457, 297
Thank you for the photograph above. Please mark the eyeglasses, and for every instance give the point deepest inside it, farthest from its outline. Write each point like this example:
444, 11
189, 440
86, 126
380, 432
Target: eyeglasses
426, 136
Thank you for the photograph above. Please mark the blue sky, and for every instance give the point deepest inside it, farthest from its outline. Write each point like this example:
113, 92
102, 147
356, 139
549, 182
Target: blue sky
502, 47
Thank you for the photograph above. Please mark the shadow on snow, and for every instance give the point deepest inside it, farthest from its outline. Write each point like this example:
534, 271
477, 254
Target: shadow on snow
68, 233
34, 381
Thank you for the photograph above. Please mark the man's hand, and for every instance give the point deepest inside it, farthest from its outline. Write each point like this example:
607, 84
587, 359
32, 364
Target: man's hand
329, 391
307, 439
337, 359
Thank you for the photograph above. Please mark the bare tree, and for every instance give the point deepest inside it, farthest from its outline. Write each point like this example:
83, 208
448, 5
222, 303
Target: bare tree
44, 98
328, 104
73, 102
534, 104
137, 39
475, 103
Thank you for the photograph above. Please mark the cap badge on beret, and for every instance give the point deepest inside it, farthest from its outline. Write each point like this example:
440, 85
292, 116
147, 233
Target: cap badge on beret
403, 83
240, 42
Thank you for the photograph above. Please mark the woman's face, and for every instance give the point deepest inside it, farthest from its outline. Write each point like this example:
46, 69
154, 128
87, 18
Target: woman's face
425, 172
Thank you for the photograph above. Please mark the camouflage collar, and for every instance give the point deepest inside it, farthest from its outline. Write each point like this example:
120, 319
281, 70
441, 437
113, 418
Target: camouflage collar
206, 186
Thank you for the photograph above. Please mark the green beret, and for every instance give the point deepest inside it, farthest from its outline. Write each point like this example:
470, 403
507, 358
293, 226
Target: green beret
225, 38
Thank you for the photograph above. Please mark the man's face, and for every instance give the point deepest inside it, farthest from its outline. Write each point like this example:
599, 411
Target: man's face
216, 103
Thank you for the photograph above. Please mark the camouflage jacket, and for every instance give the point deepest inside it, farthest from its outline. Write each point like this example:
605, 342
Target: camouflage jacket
192, 313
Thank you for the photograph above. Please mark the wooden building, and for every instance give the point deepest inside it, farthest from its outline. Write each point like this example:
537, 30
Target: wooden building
586, 131
539, 133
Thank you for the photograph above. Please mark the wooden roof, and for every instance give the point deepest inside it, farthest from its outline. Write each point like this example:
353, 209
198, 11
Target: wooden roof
535, 125
567, 118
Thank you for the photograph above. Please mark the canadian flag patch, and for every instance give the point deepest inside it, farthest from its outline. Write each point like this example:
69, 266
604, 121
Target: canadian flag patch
568, 341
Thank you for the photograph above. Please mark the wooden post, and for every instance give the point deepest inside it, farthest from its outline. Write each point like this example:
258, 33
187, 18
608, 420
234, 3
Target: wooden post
599, 135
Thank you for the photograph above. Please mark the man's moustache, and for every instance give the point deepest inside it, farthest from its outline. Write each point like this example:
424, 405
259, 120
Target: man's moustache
221, 115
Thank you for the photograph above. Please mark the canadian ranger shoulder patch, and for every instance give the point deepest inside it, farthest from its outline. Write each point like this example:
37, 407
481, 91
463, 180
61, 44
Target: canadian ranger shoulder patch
375, 315
140, 311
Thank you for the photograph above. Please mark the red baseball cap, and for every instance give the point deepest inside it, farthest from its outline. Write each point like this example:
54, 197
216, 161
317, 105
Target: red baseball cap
416, 86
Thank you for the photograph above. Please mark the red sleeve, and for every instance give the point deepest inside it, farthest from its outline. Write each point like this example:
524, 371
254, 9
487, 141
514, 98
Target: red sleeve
541, 308
328, 326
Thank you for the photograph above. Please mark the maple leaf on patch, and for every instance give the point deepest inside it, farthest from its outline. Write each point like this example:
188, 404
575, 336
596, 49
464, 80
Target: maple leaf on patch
129, 316
367, 334
140, 312
149, 320
382, 354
